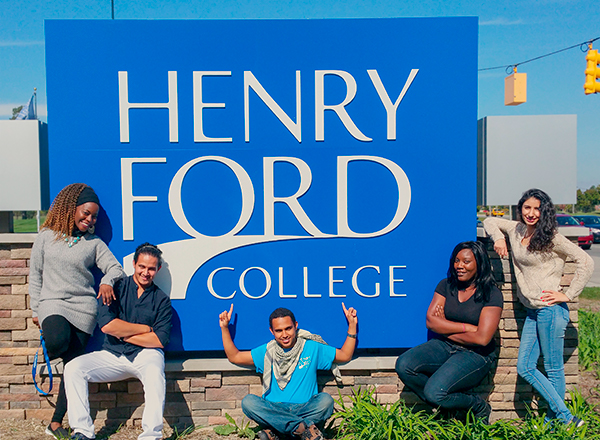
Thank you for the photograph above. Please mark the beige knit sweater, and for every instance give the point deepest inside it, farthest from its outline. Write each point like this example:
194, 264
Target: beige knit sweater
539, 271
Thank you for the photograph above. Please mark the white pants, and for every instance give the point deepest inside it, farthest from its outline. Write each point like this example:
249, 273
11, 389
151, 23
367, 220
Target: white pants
103, 366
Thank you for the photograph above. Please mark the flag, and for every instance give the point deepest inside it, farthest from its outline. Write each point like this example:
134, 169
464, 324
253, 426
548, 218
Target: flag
27, 112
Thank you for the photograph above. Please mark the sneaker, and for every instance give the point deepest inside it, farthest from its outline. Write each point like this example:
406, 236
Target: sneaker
79, 436
266, 434
577, 422
484, 413
60, 432
309, 432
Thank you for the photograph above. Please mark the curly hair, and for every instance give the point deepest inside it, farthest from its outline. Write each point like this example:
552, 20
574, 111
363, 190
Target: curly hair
546, 227
484, 279
61, 216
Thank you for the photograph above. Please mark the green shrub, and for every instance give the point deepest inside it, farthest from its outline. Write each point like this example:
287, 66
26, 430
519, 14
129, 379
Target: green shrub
366, 419
589, 339
242, 430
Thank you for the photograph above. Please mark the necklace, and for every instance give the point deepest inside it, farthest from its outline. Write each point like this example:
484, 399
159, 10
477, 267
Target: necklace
71, 241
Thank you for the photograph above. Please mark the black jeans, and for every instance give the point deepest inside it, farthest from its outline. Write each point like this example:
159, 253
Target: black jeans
63, 340
442, 373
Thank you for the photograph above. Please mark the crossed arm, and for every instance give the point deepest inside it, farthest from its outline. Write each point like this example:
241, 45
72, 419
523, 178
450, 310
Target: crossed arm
236, 356
462, 332
137, 334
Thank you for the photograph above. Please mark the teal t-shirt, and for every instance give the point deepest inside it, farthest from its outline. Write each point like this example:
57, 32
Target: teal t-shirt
303, 384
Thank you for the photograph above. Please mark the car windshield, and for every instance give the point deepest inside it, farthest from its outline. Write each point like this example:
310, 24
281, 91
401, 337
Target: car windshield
567, 221
592, 220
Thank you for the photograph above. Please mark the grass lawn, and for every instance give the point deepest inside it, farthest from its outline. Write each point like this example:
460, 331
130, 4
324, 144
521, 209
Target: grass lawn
27, 225
591, 293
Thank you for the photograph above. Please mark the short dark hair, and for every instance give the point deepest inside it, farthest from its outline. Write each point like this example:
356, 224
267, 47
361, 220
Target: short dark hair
148, 249
484, 279
281, 312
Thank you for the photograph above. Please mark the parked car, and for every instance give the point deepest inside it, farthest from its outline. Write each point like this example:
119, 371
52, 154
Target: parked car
498, 212
572, 229
592, 222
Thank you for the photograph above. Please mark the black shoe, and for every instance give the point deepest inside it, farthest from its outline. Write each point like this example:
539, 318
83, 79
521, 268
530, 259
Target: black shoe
577, 422
60, 432
483, 414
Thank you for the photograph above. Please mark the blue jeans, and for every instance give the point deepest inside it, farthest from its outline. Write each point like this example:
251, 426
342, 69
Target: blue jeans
544, 330
286, 417
441, 373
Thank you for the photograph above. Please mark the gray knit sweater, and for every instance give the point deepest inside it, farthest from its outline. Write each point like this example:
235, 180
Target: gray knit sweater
61, 280
539, 271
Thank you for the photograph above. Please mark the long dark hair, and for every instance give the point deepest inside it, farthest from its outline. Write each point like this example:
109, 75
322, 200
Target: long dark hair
545, 229
484, 280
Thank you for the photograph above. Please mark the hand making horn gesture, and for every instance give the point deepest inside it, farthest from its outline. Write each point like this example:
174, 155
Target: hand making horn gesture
225, 317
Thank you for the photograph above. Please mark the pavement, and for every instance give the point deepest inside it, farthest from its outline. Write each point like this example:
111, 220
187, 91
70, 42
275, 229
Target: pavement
594, 252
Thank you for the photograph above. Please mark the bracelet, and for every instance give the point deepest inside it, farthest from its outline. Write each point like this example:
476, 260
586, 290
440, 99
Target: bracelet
464, 329
350, 335
152, 330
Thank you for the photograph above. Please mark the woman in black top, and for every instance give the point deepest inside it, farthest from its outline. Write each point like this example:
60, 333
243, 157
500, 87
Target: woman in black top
464, 315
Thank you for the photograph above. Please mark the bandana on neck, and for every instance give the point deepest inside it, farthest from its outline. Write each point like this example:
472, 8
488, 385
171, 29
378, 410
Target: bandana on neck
283, 363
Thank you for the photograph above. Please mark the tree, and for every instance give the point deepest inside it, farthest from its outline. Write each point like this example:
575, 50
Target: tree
16, 112
588, 199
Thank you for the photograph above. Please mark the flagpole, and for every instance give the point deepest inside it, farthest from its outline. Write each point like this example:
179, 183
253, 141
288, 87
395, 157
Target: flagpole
35, 102
112, 9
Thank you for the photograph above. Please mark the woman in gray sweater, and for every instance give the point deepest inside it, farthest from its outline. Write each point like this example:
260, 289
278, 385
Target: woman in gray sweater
539, 254
61, 282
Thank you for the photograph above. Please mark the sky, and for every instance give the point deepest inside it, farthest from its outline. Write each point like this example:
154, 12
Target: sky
510, 32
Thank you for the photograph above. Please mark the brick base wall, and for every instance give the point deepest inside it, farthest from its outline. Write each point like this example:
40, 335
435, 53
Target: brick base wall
203, 391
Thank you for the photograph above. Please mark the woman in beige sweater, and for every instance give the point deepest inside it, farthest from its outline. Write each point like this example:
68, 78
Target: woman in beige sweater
539, 253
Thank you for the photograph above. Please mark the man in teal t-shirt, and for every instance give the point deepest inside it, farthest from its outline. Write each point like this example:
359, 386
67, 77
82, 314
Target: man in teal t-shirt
291, 403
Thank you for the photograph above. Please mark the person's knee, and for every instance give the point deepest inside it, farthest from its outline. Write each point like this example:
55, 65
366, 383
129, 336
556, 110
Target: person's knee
249, 404
57, 343
435, 394
74, 373
403, 366
325, 403
523, 369
73, 368
69, 372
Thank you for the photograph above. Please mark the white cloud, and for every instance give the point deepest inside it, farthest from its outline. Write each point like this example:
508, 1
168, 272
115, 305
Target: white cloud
501, 22
21, 43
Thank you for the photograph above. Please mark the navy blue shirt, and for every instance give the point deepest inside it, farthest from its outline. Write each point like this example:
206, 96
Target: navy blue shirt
153, 308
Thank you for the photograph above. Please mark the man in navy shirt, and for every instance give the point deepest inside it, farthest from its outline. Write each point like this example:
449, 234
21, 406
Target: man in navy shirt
137, 326
291, 403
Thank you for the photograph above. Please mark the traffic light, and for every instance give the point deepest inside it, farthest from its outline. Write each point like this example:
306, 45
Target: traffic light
515, 88
592, 72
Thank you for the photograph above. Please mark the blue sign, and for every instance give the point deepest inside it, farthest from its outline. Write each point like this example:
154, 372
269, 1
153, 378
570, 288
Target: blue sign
277, 163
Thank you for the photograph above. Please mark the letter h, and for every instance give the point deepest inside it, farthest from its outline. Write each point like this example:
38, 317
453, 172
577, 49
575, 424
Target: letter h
125, 105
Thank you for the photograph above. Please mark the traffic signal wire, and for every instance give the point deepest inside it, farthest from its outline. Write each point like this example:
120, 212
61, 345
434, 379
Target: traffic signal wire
512, 67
